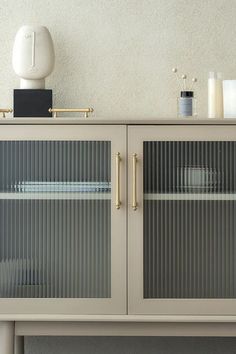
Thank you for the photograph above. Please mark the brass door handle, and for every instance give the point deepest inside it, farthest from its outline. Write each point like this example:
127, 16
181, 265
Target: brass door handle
118, 201
134, 186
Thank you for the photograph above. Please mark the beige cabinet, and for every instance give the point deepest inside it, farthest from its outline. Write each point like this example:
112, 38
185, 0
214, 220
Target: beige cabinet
62, 219
65, 211
182, 220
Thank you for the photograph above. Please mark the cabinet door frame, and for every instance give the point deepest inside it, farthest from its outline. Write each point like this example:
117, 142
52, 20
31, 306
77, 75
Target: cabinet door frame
136, 303
117, 304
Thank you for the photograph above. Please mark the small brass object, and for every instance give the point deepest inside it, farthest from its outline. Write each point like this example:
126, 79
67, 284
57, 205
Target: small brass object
86, 111
5, 110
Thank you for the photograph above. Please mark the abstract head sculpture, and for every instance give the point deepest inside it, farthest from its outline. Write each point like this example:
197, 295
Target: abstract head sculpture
33, 56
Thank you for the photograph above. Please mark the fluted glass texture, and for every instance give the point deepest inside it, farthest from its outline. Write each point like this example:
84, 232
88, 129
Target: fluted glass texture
55, 219
189, 219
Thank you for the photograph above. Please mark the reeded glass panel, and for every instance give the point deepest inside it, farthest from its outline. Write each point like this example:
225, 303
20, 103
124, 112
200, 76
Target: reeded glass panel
189, 219
55, 219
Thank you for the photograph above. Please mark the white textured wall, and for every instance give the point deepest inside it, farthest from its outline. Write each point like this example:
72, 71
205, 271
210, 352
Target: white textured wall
117, 55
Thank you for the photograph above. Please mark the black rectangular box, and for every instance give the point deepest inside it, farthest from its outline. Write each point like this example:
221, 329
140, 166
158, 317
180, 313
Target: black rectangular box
32, 103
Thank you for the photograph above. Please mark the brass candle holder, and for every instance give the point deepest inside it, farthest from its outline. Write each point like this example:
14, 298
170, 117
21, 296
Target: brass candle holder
3, 111
55, 111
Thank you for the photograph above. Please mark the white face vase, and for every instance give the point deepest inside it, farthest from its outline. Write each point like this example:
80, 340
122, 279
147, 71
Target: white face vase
33, 56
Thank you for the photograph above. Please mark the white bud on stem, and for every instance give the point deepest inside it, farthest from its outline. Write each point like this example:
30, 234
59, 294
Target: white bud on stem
184, 77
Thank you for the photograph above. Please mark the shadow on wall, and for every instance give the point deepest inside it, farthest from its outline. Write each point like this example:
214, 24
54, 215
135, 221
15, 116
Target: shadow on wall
129, 345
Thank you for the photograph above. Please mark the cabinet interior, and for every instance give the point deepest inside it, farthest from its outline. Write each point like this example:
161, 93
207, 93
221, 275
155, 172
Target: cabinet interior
55, 219
189, 219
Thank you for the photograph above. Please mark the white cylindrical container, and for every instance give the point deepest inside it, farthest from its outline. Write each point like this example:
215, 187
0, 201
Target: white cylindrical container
215, 95
229, 87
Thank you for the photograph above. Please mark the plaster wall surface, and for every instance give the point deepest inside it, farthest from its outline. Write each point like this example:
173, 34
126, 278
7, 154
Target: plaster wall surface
117, 55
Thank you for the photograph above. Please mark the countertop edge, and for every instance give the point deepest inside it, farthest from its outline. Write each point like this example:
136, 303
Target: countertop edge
100, 121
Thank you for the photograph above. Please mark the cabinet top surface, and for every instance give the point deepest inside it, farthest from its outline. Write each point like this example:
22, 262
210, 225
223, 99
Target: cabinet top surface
98, 121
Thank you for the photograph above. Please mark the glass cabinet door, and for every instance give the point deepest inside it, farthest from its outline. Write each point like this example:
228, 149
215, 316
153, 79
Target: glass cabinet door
58, 218
186, 220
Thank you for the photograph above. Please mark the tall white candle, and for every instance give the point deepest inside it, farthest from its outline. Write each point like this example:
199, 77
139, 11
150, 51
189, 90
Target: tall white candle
215, 96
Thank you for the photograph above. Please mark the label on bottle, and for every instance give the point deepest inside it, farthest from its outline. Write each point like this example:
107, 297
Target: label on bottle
185, 106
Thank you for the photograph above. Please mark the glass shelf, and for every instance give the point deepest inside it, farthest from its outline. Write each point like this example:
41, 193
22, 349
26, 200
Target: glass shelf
59, 190
57, 196
61, 187
190, 196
